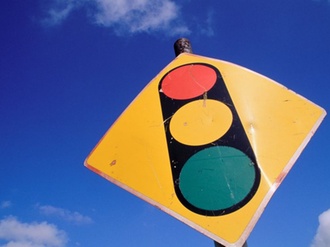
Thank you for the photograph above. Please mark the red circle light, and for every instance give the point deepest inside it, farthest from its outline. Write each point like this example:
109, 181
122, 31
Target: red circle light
188, 81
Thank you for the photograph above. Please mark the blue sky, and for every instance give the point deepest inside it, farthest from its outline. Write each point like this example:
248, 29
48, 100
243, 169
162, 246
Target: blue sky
69, 68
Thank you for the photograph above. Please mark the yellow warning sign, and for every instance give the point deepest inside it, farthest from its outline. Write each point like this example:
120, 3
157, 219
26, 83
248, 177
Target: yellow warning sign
208, 142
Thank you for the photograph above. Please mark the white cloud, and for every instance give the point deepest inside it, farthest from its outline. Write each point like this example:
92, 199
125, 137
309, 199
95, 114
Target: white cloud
138, 15
124, 16
5, 204
73, 217
322, 237
19, 234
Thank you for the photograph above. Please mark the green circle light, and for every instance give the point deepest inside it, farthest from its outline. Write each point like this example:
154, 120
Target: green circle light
217, 178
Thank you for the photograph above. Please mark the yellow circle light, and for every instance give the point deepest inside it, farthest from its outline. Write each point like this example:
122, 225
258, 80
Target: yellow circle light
201, 122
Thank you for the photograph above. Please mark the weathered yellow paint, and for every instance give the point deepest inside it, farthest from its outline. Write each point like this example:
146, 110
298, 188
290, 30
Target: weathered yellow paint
278, 122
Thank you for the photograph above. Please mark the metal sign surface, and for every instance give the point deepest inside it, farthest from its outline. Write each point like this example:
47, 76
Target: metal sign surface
208, 142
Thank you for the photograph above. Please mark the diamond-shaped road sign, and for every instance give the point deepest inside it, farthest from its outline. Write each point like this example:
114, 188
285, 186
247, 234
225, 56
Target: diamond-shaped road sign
208, 142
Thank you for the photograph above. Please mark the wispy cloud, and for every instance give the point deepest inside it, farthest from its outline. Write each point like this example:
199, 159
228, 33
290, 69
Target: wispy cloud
125, 16
20, 234
5, 204
322, 237
206, 28
64, 214
59, 11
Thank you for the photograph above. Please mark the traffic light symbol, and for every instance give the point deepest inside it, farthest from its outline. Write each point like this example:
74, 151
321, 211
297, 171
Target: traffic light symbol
214, 168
